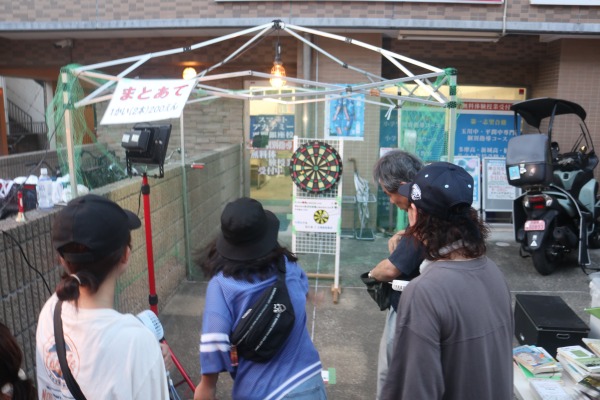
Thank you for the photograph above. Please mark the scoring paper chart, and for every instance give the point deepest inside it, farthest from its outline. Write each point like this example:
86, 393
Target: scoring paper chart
315, 167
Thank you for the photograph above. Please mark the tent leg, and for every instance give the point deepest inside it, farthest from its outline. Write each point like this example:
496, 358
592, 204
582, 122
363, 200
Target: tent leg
335, 290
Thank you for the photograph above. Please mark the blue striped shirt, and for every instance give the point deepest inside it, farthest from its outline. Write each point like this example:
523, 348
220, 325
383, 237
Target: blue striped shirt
297, 361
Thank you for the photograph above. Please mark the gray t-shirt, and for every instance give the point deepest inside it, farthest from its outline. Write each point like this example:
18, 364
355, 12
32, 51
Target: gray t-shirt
453, 336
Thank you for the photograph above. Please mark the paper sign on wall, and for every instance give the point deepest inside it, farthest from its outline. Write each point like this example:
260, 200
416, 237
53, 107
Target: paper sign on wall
144, 100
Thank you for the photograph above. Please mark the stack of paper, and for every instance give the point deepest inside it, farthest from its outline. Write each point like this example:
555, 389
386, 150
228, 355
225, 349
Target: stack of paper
581, 357
583, 367
593, 345
548, 389
589, 386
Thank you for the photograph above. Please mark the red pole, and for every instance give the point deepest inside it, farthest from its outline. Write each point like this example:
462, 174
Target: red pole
152, 298
184, 375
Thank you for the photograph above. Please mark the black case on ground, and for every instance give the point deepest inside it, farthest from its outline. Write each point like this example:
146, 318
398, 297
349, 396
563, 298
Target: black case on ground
548, 322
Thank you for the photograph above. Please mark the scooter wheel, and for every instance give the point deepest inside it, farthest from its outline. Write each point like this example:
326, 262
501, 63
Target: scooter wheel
543, 259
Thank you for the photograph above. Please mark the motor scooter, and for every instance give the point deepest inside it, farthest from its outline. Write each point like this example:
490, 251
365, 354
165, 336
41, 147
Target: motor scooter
558, 209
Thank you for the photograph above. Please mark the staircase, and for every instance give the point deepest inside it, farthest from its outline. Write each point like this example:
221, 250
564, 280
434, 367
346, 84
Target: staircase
24, 135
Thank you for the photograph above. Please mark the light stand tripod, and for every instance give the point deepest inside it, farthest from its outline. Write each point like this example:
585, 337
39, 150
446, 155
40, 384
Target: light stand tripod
153, 297
147, 144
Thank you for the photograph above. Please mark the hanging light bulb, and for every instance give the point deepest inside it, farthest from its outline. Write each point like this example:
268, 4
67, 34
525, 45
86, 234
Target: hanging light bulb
189, 73
278, 71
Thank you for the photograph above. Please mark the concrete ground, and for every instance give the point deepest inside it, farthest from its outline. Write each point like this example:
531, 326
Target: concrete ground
347, 334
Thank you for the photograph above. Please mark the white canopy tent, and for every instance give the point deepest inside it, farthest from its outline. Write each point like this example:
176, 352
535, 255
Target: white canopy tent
426, 88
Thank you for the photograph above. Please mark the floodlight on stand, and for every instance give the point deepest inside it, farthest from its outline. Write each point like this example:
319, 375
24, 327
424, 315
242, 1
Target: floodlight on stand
278, 71
146, 144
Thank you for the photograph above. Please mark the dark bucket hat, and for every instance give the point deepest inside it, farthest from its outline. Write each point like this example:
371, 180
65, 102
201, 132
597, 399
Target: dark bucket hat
248, 231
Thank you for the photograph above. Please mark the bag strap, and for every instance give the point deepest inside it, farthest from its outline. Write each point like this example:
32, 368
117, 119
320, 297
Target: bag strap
62, 354
281, 269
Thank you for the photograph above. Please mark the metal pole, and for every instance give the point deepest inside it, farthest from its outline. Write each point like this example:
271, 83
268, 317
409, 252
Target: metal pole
186, 227
452, 104
69, 137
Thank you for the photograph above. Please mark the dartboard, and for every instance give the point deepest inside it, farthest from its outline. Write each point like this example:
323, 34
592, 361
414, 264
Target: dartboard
315, 167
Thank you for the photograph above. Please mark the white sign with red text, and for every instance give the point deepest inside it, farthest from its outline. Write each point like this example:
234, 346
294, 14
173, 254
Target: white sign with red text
143, 100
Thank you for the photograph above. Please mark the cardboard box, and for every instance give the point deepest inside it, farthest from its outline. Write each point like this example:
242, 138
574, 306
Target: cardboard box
548, 322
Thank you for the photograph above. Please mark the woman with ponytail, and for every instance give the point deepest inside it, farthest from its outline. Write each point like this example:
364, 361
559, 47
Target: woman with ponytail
110, 355
14, 384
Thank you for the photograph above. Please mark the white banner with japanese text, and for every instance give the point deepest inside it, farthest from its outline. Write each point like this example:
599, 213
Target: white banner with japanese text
144, 100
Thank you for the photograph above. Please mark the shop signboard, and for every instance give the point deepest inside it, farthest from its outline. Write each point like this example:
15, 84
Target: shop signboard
483, 129
271, 141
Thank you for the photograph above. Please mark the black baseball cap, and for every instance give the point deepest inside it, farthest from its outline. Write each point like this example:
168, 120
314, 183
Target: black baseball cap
95, 222
439, 189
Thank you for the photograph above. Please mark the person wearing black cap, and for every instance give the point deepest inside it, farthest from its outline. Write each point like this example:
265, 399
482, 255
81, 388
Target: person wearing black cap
242, 264
454, 331
110, 355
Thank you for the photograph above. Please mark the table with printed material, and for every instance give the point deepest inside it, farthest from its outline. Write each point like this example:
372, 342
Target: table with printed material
523, 391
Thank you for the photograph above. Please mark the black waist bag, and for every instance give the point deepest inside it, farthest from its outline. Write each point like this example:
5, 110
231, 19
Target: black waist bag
266, 325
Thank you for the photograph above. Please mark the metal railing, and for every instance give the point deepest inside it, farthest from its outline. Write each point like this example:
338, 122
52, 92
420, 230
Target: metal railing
20, 122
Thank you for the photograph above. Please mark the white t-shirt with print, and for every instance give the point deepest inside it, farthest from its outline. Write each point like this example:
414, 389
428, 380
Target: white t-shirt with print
111, 355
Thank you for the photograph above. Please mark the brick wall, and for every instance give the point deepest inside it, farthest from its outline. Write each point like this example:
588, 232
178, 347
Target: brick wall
121, 14
22, 291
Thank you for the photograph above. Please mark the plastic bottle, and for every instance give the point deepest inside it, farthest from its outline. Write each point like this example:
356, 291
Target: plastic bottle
44, 190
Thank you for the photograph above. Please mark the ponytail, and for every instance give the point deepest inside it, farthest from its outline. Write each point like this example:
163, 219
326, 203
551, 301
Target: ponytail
89, 275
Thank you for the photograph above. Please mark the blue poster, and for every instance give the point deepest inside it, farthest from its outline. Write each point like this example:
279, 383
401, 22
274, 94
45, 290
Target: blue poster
388, 128
483, 134
345, 118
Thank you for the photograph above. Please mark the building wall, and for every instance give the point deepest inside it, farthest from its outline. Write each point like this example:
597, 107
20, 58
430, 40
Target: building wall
579, 80
121, 14
517, 59
22, 291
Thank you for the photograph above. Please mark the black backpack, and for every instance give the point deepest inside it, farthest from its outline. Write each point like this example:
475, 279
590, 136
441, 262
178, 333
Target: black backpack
266, 324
